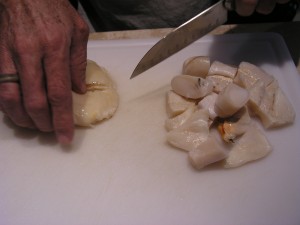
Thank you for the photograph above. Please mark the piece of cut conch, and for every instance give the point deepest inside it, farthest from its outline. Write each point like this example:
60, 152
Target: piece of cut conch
253, 145
248, 74
219, 82
256, 94
101, 99
230, 100
177, 121
208, 102
190, 134
196, 66
208, 152
222, 69
274, 109
176, 104
191, 87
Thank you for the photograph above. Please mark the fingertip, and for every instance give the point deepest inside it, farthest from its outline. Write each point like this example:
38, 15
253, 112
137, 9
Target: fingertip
245, 7
64, 127
244, 12
80, 89
83, 88
81, 83
265, 7
64, 139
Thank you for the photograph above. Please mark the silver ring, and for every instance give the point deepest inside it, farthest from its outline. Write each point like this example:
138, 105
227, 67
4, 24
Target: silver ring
5, 78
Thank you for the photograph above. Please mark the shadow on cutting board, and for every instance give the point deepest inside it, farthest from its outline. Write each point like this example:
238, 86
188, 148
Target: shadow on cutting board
286, 31
41, 138
258, 49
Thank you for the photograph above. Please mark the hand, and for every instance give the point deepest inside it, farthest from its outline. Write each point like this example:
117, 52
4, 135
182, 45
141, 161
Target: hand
44, 42
247, 7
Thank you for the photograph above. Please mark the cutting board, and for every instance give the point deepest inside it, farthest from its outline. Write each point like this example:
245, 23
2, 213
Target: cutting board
122, 171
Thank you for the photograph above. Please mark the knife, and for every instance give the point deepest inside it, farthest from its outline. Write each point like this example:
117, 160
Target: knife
184, 35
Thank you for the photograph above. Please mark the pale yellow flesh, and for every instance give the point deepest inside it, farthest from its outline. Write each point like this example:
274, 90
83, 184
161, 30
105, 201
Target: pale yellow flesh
274, 109
196, 66
208, 152
177, 121
191, 87
176, 104
253, 145
208, 102
189, 135
221, 69
248, 74
230, 100
219, 82
101, 99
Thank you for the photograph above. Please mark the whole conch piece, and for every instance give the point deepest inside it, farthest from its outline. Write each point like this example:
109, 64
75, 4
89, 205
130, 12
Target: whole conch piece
101, 99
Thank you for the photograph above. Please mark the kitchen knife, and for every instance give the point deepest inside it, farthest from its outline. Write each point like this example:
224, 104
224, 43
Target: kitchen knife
184, 35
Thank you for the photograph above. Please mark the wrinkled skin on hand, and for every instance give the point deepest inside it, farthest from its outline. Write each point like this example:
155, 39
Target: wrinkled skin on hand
247, 7
44, 41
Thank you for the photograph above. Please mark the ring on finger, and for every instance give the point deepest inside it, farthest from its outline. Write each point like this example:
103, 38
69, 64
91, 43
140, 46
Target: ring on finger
5, 78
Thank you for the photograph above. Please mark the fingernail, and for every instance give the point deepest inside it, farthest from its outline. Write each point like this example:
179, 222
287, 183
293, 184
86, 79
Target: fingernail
64, 140
81, 89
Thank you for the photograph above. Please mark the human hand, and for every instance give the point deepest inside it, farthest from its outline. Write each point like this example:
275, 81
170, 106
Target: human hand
247, 7
44, 43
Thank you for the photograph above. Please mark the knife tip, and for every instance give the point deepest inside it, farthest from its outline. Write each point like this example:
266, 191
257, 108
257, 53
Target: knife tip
137, 71
133, 75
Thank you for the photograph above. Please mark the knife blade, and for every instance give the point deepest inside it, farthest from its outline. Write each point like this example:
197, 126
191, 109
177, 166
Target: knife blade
185, 35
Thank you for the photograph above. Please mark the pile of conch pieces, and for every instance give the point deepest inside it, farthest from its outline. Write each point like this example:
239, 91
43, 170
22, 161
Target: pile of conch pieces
211, 109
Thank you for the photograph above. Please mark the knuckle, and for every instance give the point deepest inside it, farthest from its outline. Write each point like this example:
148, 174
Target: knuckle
22, 46
78, 58
59, 95
56, 40
82, 28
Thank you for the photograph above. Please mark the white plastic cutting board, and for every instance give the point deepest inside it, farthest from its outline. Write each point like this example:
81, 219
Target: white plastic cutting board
122, 172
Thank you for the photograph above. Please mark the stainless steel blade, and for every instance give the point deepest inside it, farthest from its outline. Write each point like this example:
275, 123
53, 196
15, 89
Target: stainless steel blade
184, 35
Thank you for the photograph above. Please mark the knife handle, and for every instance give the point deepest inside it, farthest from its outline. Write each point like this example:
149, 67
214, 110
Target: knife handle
229, 4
